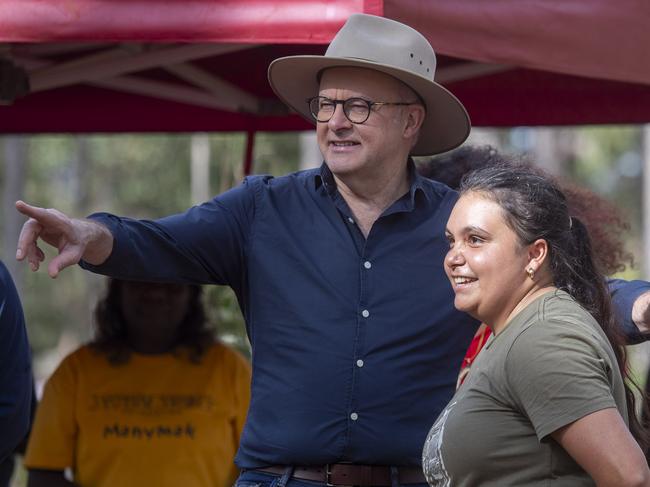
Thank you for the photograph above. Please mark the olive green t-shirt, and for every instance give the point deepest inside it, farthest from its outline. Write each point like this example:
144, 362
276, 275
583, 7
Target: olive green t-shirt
549, 367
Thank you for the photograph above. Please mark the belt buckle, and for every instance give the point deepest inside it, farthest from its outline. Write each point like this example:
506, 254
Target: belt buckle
328, 476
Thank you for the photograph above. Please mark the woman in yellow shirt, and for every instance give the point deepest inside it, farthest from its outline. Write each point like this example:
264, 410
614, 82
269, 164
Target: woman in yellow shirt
153, 400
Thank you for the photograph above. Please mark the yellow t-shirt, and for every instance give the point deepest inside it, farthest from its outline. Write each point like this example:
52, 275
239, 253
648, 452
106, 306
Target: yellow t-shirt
156, 420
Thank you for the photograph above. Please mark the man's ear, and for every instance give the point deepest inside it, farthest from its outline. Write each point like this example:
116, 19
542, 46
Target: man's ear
414, 119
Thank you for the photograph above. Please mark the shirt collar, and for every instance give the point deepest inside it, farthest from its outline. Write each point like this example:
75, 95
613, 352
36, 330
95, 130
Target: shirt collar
418, 184
325, 178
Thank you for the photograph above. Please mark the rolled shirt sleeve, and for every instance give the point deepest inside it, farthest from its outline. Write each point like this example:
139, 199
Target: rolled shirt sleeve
624, 294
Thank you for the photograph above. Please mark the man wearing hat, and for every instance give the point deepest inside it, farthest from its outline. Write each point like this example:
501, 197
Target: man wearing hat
355, 341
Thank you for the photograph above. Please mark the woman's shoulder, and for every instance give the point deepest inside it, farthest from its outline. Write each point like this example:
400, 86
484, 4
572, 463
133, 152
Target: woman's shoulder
557, 313
560, 305
558, 323
81, 356
75, 365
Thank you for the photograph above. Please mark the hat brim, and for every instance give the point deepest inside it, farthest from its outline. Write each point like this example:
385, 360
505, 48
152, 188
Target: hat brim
294, 79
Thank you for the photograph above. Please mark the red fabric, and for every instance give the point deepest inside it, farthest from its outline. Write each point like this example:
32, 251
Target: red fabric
84, 109
520, 97
236, 21
478, 342
598, 38
595, 38
574, 62
527, 97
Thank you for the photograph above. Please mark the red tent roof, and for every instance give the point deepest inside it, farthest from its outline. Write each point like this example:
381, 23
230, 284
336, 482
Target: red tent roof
200, 65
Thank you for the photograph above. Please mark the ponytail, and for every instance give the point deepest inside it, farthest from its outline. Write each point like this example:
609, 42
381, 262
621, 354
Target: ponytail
574, 271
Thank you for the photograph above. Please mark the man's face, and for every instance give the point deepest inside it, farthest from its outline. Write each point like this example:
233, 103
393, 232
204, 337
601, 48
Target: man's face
379, 144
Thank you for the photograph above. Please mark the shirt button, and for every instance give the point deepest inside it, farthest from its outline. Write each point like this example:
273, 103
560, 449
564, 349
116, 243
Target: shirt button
350, 219
354, 416
365, 313
367, 264
359, 363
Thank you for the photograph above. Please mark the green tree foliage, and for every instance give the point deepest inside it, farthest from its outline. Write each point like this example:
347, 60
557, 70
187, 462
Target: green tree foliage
609, 160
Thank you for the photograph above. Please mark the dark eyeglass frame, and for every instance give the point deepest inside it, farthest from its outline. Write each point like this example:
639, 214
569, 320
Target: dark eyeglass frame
347, 106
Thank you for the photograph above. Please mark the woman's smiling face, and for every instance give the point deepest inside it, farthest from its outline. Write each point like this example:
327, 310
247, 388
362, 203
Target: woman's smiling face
486, 263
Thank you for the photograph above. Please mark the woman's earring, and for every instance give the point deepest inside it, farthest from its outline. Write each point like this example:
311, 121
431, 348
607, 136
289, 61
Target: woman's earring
531, 272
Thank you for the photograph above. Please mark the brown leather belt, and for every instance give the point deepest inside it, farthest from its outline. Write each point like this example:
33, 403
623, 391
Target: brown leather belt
349, 474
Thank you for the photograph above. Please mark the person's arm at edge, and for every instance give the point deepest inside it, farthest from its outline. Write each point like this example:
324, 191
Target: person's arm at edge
16, 383
47, 478
631, 300
602, 444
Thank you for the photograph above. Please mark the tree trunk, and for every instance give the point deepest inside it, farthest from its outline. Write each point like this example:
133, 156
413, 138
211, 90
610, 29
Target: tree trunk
15, 167
200, 168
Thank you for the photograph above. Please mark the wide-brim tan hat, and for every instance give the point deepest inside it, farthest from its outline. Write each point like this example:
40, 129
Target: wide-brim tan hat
368, 41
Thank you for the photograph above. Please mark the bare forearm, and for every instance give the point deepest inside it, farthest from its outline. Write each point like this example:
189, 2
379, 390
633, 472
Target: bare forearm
602, 444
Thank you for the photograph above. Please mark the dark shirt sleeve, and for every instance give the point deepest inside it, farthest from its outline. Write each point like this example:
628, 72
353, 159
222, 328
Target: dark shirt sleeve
15, 368
624, 294
204, 245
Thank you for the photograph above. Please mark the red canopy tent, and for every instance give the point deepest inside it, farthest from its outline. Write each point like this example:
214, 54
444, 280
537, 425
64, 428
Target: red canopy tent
200, 65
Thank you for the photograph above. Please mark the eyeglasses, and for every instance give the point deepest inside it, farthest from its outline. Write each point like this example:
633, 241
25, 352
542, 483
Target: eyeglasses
356, 110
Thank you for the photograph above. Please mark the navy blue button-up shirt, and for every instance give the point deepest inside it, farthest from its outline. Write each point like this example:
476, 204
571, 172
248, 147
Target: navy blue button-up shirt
356, 344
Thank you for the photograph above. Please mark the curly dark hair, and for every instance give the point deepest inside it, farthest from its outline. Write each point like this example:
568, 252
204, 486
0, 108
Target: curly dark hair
602, 218
534, 208
449, 168
605, 224
194, 336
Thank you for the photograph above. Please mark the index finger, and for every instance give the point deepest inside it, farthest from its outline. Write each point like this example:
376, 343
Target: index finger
35, 212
